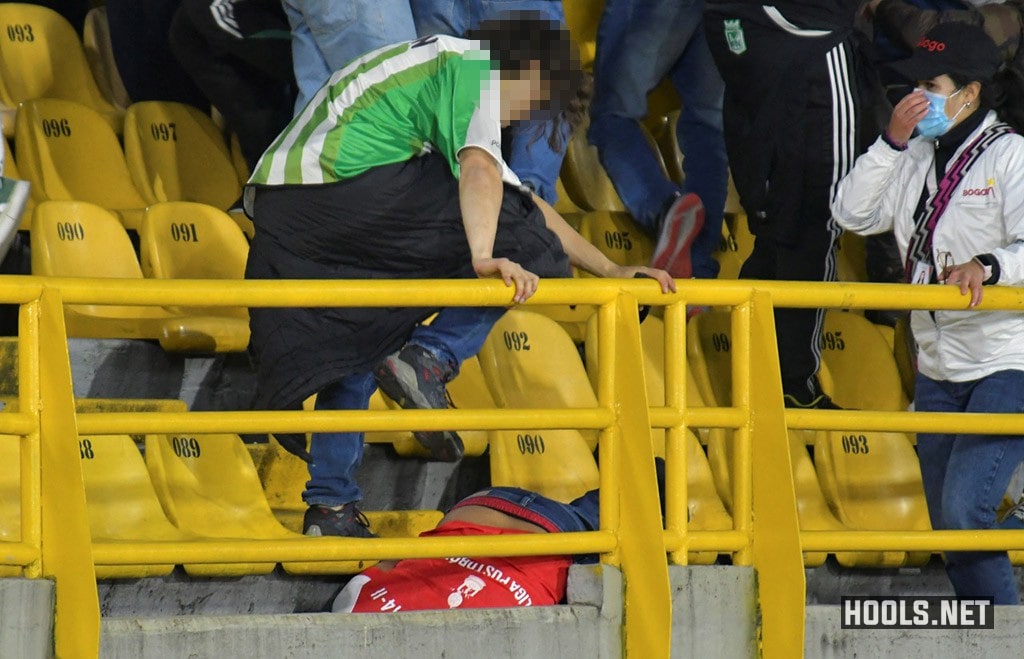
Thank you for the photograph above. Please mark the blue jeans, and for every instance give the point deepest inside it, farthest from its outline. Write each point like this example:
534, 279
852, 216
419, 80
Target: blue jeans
327, 35
639, 42
455, 335
530, 157
580, 514
965, 476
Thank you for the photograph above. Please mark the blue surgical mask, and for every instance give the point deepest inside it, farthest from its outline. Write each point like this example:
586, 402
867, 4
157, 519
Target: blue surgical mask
936, 123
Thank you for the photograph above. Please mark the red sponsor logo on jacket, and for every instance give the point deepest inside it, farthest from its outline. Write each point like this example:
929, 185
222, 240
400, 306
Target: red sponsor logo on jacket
931, 45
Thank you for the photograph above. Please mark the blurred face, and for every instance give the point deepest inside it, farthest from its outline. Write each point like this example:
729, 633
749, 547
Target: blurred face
522, 94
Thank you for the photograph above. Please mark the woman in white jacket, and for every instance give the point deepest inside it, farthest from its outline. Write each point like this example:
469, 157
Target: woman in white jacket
954, 195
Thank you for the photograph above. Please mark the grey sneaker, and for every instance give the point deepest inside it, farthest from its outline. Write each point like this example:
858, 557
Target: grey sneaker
348, 522
415, 379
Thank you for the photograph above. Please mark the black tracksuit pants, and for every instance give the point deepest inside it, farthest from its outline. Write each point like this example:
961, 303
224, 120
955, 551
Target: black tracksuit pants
790, 115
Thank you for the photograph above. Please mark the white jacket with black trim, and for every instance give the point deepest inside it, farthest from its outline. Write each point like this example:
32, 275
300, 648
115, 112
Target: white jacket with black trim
985, 216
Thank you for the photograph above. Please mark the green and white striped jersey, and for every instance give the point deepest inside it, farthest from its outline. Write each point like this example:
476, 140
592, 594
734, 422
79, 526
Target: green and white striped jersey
433, 94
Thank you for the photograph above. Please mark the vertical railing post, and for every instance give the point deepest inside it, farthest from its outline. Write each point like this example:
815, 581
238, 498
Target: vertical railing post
676, 465
608, 442
742, 361
775, 541
66, 542
28, 403
647, 600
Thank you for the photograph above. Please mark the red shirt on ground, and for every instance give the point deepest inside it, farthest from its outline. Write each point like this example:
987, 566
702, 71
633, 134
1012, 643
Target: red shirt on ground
458, 583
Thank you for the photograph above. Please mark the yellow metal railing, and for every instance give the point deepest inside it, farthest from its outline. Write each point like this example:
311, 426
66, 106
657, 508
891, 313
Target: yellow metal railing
765, 534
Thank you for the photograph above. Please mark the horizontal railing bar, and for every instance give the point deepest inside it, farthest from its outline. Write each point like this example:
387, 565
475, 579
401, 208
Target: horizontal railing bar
120, 423
18, 554
301, 549
697, 417
911, 422
18, 423
469, 292
721, 541
972, 540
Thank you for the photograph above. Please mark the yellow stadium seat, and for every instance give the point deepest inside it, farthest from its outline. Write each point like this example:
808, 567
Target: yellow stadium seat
530, 362
573, 318
709, 344
564, 204
585, 179
11, 171
100, 54
864, 372
69, 153
705, 511
43, 58
618, 237
182, 240
872, 479
581, 19
238, 160
76, 239
10, 488
739, 229
851, 255
467, 391
121, 502
175, 153
905, 353
208, 486
67, 237
727, 255
10, 497
89, 405
668, 144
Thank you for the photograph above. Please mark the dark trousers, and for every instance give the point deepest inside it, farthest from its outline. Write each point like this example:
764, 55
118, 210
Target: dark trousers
245, 71
138, 36
791, 129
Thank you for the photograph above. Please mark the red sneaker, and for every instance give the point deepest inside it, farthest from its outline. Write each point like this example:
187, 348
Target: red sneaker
682, 223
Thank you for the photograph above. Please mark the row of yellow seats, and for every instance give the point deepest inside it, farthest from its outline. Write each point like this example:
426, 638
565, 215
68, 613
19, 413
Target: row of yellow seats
179, 240
41, 56
172, 152
187, 488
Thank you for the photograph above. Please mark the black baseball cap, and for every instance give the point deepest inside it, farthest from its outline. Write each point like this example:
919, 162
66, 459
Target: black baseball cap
952, 49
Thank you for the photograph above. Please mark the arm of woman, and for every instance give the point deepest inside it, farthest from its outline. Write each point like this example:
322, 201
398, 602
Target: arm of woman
585, 256
1005, 265
480, 193
867, 195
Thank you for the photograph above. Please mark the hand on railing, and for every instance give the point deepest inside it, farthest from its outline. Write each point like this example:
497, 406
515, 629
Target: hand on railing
511, 273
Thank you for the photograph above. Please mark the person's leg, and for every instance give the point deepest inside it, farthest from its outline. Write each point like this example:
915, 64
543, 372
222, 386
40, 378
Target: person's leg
933, 449
337, 455
311, 70
980, 470
638, 43
702, 143
456, 334
148, 69
808, 246
812, 258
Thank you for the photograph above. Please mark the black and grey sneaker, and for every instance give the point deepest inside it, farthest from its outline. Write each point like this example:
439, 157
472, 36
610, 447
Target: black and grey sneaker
347, 522
415, 379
